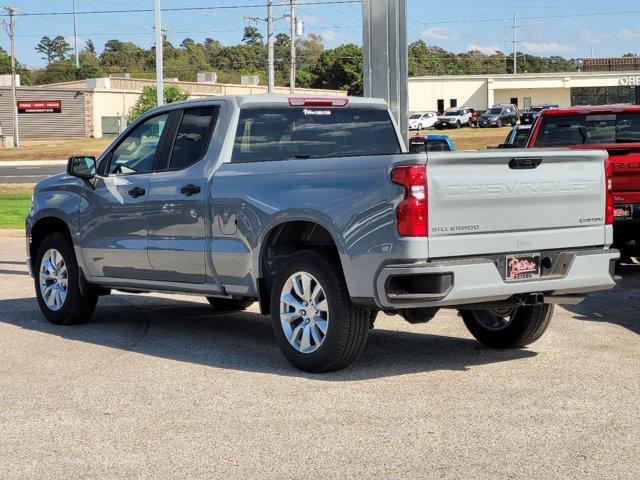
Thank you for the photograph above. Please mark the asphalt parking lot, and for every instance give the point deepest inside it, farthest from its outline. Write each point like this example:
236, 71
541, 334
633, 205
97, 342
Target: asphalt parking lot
163, 387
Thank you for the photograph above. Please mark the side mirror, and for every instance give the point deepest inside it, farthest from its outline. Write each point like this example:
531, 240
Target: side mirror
82, 167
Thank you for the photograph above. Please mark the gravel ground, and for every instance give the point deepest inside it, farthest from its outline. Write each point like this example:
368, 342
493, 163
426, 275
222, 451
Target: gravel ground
163, 387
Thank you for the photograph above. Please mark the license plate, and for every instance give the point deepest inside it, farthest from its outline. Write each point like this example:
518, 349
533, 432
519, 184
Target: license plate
522, 267
622, 212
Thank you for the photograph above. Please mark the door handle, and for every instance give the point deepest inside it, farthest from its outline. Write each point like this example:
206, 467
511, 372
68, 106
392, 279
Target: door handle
190, 190
523, 163
137, 192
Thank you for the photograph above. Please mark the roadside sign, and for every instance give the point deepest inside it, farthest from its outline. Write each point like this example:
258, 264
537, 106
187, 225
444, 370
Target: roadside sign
40, 106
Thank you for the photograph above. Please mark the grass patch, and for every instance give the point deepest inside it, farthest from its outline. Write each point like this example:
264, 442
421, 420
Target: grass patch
55, 149
15, 200
473, 138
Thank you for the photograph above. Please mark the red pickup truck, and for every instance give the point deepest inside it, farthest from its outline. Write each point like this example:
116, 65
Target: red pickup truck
615, 128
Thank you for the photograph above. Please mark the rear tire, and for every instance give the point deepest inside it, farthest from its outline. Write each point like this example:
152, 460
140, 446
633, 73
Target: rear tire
229, 304
523, 326
315, 323
57, 286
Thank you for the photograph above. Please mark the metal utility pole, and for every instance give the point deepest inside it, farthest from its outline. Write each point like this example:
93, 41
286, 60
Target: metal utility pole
515, 42
292, 73
11, 30
159, 45
75, 36
270, 65
271, 78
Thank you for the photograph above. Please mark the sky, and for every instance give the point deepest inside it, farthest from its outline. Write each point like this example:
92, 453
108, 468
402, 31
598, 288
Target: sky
563, 27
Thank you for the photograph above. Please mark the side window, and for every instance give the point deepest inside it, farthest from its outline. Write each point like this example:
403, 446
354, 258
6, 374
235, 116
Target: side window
192, 137
137, 152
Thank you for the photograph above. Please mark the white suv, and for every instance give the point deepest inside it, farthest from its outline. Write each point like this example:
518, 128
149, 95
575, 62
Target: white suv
456, 118
422, 120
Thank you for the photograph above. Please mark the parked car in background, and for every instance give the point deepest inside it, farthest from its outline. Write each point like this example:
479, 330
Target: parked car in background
529, 116
614, 128
498, 116
313, 208
431, 143
510, 105
421, 120
517, 137
456, 118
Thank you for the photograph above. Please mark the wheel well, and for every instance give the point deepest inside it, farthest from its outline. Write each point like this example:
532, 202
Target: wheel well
39, 232
284, 240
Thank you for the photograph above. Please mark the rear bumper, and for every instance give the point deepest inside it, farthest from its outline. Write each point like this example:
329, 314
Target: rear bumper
478, 280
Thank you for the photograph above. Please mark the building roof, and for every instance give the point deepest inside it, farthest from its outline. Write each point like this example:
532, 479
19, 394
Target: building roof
525, 75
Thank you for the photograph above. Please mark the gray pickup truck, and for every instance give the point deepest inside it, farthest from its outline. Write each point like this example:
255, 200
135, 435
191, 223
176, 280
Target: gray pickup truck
313, 208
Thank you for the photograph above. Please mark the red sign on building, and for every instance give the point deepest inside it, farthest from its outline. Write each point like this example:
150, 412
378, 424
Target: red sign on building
40, 106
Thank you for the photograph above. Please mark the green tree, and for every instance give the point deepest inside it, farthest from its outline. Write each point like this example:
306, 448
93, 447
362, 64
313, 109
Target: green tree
89, 47
53, 48
149, 99
252, 36
56, 72
340, 68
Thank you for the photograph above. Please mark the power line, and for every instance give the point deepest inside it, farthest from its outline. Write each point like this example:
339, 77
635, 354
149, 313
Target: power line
182, 9
536, 17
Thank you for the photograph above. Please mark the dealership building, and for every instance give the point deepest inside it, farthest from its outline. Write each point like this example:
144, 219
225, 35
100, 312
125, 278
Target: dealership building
437, 93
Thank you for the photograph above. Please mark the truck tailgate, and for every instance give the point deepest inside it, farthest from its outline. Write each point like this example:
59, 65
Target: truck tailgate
515, 201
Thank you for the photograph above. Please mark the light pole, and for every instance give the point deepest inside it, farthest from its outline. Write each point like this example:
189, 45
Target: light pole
292, 72
75, 36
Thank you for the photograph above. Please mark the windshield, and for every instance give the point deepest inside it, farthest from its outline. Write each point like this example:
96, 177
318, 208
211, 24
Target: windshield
564, 131
494, 111
452, 113
267, 134
536, 109
415, 116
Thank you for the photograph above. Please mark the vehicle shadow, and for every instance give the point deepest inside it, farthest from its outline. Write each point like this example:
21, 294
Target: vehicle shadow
192, 332
620, 305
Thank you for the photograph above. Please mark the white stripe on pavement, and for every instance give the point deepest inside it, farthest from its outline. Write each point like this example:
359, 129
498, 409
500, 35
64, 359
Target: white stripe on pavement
31, 163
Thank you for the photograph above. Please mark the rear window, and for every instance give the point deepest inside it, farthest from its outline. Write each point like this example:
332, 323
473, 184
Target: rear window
267, 134
564, 131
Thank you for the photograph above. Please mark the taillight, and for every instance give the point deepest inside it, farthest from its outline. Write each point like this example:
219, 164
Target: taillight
608, 178
412, 213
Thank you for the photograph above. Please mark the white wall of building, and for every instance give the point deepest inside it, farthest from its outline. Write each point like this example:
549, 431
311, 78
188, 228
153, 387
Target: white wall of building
559, 96
424, 94
483, 91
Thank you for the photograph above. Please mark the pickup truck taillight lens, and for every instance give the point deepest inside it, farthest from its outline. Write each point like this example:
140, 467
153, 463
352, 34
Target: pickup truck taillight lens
608, 178
412, 213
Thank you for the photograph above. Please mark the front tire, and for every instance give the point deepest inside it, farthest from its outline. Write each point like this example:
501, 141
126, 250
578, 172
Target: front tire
458, 124
510, 327
56, 281
315, 323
